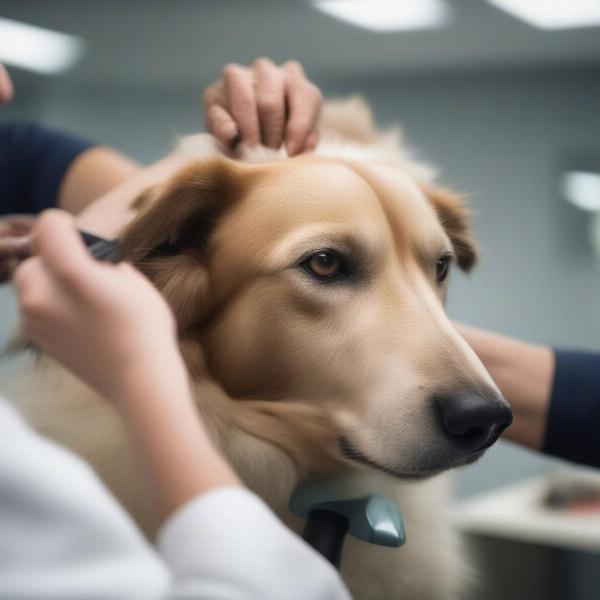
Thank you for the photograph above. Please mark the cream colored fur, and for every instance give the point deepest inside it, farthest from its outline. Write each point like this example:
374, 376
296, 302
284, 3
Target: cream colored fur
429, 567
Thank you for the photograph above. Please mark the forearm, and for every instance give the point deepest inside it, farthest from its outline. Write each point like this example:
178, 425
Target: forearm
524, 373
179, 458
108, 214
92, 174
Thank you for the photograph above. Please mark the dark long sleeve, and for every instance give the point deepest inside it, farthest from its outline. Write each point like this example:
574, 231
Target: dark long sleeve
573, 427
33, 163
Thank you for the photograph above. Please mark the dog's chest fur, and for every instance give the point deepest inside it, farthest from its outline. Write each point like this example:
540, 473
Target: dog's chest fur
429, 566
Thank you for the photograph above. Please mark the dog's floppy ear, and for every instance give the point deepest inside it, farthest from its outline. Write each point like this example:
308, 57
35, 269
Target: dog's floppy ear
454, 217
167, 240
179, 212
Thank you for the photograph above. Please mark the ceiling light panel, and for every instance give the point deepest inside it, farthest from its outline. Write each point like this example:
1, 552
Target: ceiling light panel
38, 49
384, 16
553, 14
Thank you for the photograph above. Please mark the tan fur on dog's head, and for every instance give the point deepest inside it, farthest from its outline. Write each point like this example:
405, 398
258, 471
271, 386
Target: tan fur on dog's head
326, 370
169, 242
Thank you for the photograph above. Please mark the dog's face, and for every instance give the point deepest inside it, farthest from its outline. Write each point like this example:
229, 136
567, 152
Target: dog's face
321, 282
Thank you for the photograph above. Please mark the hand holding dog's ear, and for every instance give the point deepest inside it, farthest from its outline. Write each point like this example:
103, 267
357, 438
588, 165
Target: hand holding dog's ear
264, 104
93, 317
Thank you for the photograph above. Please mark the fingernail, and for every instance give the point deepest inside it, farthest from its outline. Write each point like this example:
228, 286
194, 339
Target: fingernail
311, 142
290, 147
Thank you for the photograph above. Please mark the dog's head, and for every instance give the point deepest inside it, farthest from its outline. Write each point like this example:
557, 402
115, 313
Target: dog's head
317, 286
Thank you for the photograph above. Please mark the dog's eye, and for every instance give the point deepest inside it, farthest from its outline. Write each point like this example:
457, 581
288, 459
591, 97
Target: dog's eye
442, 266
324, 265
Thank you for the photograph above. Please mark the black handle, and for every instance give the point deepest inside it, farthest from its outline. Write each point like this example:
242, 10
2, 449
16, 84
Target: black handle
100, 248
325, 532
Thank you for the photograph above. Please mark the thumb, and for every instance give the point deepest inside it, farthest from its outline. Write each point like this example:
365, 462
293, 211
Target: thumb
59, 245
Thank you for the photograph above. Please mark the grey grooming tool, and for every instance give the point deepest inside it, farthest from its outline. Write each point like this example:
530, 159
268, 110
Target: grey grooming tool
332, 511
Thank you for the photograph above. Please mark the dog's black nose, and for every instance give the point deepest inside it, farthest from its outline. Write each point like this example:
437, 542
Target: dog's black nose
474, 420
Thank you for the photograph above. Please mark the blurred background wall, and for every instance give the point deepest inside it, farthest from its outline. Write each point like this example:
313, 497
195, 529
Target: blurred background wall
499, 106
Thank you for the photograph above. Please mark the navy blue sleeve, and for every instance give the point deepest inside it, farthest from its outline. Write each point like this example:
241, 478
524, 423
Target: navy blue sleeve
33, 162
573, 427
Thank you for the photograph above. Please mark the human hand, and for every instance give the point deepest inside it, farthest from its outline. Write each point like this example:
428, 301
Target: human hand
264, 104
6, 87
14, 232
106, 323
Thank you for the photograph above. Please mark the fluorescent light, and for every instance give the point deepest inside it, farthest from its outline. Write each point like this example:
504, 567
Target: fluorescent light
37, 49
553, 14
387, 15
582, 189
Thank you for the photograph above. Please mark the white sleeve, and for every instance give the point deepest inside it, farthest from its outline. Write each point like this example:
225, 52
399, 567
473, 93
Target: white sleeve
228, 545
62, 535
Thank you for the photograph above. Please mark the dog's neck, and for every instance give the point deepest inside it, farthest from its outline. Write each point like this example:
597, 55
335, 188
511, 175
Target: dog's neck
222, 417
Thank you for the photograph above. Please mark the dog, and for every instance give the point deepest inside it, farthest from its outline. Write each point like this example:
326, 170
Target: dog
309, 297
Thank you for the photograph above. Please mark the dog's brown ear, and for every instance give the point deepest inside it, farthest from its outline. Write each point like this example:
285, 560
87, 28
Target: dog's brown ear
167, 240
454, 217
180, 212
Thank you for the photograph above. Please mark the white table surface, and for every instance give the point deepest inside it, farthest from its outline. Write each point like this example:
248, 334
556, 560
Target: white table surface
517, 513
